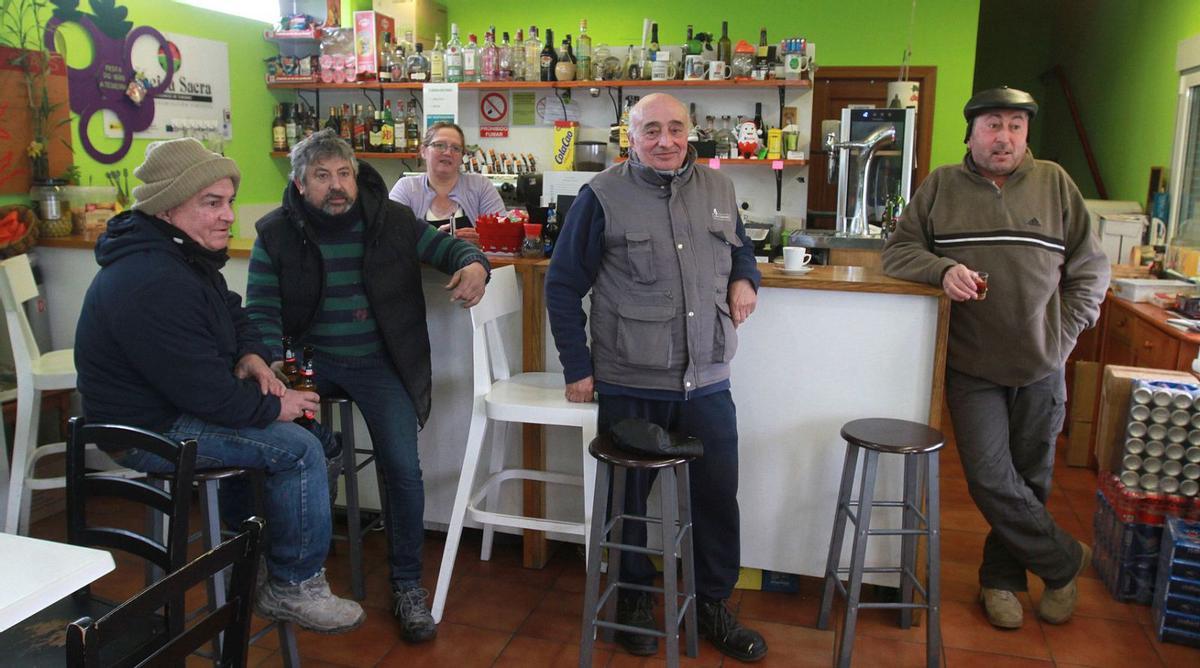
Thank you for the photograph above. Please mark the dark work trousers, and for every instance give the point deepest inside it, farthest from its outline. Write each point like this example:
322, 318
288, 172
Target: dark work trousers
1005, 438
714, 480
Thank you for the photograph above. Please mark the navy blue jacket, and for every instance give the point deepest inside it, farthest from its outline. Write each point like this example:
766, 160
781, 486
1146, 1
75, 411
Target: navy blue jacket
159, 335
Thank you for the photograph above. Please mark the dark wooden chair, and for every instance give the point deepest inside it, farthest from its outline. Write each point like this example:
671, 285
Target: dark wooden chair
37, 641
86, 638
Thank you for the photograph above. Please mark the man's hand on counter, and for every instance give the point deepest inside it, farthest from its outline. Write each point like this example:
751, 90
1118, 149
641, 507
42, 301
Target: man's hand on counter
742, 300
959, 283
581, 391
466, 285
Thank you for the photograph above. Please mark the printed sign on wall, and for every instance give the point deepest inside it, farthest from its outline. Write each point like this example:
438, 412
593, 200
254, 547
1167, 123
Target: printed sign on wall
195, 100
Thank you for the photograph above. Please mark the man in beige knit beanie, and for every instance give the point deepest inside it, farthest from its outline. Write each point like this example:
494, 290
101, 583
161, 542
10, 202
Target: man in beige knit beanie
163, 344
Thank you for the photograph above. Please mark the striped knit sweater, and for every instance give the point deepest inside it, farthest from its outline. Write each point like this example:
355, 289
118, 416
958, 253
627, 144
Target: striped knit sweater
1034, 237
344, 324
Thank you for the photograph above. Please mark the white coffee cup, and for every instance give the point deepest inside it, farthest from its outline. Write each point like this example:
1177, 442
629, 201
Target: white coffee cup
795, 258
718, 70
695, 68
662, 70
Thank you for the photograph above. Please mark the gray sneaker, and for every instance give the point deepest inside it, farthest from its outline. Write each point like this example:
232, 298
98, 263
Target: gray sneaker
309, 605
408, 605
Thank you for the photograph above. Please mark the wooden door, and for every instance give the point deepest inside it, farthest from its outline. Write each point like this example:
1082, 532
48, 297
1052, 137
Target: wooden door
833, 90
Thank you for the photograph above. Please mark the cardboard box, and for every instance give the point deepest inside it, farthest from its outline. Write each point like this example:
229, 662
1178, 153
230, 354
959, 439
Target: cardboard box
1114, 408
425, 18
1079, 443
1083, 391
371, 30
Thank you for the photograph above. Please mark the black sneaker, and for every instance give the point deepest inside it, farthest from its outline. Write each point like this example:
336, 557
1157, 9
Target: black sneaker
636, 609
408, 606
731, 638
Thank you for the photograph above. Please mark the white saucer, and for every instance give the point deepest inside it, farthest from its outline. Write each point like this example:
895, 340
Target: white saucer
796, 272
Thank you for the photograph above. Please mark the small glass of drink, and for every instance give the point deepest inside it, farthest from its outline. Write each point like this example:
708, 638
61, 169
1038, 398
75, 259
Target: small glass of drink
981, 285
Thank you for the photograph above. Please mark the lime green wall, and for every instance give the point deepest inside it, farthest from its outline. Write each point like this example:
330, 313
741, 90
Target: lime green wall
1030, 23
252, 105
1120, 59
846, 32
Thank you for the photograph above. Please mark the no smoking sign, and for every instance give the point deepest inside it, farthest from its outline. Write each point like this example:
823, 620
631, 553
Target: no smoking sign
493, 114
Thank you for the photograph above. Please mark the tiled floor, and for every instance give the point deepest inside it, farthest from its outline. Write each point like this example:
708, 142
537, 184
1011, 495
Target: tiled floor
500, 614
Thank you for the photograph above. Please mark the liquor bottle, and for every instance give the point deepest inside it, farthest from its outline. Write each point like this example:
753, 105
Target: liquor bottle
504, 60
489, 57
387, 133
691, 44
279, 131
533, 57
548, 57
760, 54
332, 122
724, 48
418, 65
518, 57
359, 133
550, 231
623, 128
470, 59
385, 60
726, 143
412, 128
374, 130
583, 70
289, 125
437, 61
653, 41
346, 129
407, 45
306, 383
399, 59
454, 56
564, 70
290, 369
759, 126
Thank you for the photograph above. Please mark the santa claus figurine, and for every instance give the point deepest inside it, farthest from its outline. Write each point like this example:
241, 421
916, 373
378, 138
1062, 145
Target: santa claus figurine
747, 139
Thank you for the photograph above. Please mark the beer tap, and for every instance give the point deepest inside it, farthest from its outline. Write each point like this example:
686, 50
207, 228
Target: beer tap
866, 148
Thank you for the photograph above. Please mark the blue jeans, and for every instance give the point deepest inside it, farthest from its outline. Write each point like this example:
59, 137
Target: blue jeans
297, 490
374, 385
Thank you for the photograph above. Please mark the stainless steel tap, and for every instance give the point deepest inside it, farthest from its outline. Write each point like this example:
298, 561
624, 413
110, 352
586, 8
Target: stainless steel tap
866, 148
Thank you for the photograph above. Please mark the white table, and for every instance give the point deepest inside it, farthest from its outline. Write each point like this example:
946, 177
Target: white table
36, 573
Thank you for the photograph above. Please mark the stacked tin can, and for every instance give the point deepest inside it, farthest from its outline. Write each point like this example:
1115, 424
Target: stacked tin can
1162, 439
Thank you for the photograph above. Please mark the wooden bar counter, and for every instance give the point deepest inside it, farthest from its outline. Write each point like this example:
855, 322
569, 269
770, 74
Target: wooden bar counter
833, 345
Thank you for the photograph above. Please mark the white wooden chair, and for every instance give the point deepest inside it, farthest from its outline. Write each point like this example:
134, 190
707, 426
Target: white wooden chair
37, 372
535, 398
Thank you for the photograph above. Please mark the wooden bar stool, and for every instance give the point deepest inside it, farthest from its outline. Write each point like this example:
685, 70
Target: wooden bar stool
679, 607
919, 444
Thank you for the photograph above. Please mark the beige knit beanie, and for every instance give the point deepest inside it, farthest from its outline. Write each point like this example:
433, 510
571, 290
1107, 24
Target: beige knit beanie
177, 169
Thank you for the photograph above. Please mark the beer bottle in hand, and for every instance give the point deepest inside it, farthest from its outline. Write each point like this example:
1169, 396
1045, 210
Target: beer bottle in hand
290, 369
306, 383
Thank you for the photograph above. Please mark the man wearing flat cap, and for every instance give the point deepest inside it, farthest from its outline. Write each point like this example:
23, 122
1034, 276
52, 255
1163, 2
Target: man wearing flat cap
1022, 222
163, 344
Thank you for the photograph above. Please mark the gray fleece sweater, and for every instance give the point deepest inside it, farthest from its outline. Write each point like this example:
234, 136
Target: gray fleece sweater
1034, 237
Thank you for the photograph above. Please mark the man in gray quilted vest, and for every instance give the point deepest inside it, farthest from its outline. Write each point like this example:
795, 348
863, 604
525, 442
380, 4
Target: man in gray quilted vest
658, 242
1022, 222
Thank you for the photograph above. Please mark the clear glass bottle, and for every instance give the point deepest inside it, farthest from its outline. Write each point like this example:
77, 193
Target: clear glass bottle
564, 69
418, 65
470, 54
454, 56
437, 61
489, 57
583, 71
533, 57
398, 65
518, 57
726, 144
533, 246
504, 62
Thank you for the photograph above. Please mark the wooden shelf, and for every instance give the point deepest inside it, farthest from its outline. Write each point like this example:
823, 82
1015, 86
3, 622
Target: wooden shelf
503, 85
763, 163
360, 154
